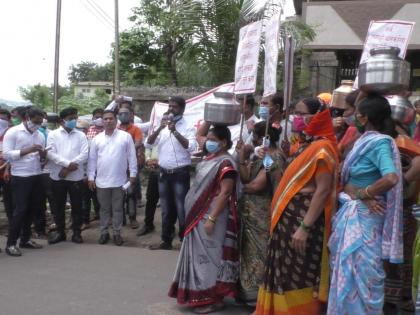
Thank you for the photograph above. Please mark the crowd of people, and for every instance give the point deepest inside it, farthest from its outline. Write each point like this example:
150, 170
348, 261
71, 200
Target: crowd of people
310, 211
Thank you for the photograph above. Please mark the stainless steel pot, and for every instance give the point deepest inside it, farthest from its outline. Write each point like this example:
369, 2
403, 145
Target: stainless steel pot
222, 109
384, 72
402, 110
340, 93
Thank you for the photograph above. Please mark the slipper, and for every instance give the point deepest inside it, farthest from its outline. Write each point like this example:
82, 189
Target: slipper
209, 308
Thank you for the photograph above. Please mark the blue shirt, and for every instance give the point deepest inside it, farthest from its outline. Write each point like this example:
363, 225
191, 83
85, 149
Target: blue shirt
373, 165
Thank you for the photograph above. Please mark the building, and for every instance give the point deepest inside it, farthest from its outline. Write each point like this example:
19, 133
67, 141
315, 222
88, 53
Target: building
88, 89
341, 28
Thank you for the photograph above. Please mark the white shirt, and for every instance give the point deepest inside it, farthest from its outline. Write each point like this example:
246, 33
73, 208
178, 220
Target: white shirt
66, 147
16, 139
110, 157
170, 151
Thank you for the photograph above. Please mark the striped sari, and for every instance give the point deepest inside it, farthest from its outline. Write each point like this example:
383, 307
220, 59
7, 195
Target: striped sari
208, 265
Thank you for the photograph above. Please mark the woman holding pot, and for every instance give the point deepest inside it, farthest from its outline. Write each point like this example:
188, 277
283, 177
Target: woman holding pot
368, 226
207, 268
295, 280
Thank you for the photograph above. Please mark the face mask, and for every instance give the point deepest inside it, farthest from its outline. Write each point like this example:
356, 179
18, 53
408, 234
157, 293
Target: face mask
4, 124
124, 118
359, 126
350, 120
98, 122
16, 121
44, 123
336, 112
174, 118
31, 126
70, 124
299, 123
212, 146
264, 112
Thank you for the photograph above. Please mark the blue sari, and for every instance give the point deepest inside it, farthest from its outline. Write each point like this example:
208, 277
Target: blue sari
360, 239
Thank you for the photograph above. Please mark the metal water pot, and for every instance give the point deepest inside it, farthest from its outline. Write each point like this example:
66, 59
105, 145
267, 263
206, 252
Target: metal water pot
222, 109
384, 72
340, 93
402, 110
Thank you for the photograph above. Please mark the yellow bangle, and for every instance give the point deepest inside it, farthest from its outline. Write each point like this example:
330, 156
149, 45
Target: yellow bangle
367, 192
211, 219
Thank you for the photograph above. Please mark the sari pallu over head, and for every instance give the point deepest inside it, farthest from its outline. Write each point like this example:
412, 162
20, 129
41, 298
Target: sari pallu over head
392, 233
301, 171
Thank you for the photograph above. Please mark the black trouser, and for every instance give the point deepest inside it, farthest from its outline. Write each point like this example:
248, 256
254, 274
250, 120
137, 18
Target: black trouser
60, 190
40, 218
6, 192
173, 187
88, 197
152, 198
26, 194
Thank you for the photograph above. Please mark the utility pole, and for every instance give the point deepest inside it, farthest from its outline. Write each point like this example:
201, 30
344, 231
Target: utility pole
57, 55
117, 53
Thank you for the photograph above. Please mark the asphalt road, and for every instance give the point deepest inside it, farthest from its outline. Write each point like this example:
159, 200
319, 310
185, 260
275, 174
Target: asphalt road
70, 279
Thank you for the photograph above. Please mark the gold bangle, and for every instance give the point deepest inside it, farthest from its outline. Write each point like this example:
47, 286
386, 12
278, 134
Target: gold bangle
367, 192
211, 219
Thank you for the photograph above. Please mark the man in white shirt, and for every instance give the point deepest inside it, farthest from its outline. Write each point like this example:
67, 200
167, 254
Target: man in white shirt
112, 152
68, 151
175, 142
23, 147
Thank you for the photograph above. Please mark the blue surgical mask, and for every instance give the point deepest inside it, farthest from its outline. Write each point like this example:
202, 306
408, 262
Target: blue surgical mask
70, 124
264, 112
212, 146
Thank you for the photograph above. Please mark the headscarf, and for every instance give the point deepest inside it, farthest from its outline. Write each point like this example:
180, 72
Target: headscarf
321, 126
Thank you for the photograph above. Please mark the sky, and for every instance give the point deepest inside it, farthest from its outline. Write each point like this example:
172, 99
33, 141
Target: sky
27, 33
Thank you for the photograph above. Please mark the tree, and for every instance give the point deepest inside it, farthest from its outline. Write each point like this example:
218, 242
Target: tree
141, 60
42, 96
89, 71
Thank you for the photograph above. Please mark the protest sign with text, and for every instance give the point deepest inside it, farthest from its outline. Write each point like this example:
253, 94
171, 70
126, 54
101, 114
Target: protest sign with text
247, 58
389, 33
272, 32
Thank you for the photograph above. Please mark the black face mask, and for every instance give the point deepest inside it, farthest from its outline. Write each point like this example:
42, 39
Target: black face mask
336, 112
124, 118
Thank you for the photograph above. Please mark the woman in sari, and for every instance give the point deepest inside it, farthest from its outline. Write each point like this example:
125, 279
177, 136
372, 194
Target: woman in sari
259, 181
207, 267
296, 270
368, 226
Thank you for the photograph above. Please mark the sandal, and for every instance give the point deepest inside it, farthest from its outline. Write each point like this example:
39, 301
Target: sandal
206, 309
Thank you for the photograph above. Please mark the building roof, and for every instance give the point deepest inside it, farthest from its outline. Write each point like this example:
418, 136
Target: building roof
94, 83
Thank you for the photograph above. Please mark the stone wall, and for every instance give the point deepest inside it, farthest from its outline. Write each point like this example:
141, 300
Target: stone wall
144, 97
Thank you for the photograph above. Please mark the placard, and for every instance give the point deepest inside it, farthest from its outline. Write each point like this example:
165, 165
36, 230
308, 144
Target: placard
272, 32
389, 33
247, 58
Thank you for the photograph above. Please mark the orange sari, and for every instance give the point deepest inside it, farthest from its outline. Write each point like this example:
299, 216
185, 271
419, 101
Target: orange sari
302, 301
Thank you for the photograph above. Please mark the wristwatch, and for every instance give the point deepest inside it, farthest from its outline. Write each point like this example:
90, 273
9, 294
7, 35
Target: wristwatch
176, 133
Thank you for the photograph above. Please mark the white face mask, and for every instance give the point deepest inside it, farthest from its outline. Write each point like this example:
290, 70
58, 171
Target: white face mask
98, 122
31, 126
44, 123
4, 124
